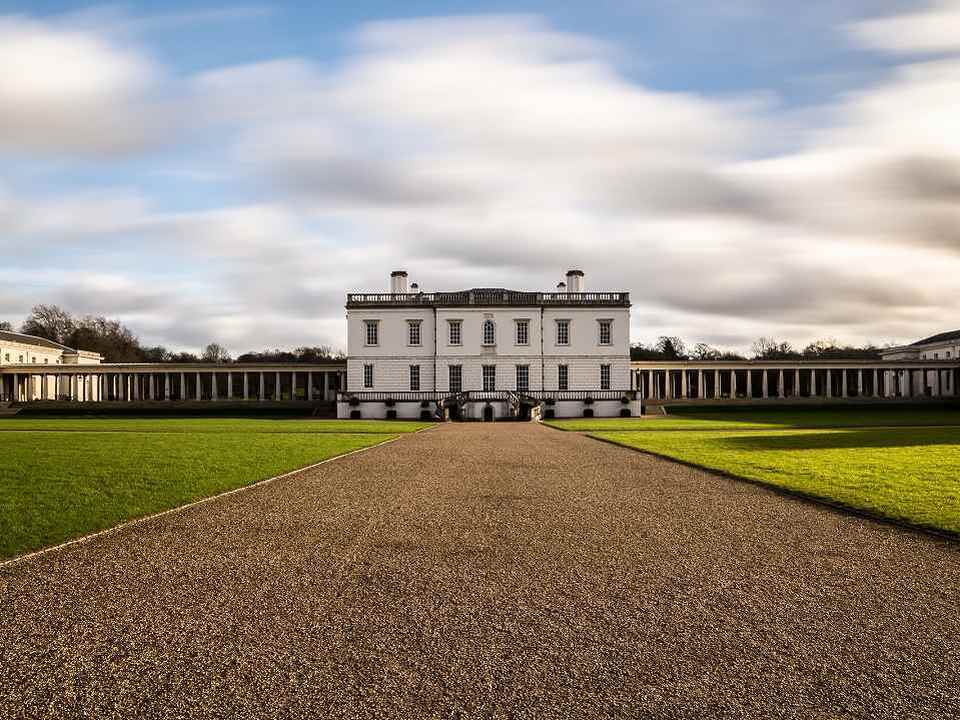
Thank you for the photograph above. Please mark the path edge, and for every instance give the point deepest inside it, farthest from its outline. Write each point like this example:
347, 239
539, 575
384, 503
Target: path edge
840, 508
153, 516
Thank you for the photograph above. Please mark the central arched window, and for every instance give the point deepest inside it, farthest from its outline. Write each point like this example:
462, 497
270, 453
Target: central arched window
489, 334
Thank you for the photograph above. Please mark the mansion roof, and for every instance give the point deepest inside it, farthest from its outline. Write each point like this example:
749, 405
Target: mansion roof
485, 297
940, 337
24, 339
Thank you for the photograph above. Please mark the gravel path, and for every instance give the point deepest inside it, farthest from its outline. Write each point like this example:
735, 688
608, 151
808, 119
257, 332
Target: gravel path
501, 570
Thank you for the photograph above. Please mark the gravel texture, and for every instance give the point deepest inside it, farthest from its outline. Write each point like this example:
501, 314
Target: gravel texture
504, 570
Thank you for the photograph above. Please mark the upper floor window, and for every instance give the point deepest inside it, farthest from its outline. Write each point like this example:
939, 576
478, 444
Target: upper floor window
20, 358
489, 333
368, 376
372, 331
606, 332
523, 332
46, 361
455, 331
455, 374
489, 378
604, 377
523, 378
563, 377
413, 332
414, 377
936, 356
7, 357
563, 332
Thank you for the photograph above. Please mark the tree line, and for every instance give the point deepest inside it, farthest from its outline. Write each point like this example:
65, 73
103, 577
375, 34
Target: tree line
118, 344
674, 348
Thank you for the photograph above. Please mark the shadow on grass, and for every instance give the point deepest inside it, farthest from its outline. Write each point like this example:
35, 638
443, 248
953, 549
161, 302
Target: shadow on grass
844, 440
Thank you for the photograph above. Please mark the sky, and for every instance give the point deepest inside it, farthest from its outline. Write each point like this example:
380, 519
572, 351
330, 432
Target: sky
227, 172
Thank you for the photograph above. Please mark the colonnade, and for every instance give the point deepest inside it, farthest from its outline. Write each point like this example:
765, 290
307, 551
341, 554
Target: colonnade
100, 384
710, 383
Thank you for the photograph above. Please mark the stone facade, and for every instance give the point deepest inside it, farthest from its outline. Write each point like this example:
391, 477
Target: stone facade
517, 349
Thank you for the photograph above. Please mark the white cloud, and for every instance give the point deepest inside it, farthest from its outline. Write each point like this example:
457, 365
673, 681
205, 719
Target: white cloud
934, 29
69, 91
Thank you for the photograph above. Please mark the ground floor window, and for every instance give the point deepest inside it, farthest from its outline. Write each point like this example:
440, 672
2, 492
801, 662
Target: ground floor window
368, 376
455, 373
414, 377
523, 378
563, 374
489, 378
604, 377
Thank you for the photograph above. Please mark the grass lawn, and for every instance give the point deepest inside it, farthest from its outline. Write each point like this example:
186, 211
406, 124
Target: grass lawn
62, 478
886, 465
764, 418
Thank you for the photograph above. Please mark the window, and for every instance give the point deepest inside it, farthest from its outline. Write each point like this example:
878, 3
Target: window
489, 333
455, 373
604, 377
523, 332
368, 376
46, 361
936, 356
20, 359
489, 378
7, 357
455, 327
413, 332
523, 378
606, 332
414, 377
563, 376
563, 332
373, 332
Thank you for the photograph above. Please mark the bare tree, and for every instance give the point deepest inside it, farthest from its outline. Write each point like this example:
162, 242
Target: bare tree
215, 353
671, 348
49, 321
770, 349
702, 351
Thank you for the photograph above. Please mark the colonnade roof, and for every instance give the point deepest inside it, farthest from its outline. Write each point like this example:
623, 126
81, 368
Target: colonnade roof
788, 364
35, 368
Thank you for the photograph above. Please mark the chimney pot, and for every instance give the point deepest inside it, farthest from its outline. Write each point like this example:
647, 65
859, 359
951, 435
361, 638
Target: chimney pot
575, 281
398, 282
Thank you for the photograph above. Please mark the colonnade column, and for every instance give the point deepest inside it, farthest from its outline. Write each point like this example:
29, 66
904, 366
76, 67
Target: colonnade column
843, 384
166, 386
733, 384
764, 386
151, 388
749, 383
229, 385
860, 383
829, 388
260, 388
716, 384
309, 386
781, 388
246, 385
276, 387
213, 386
876, 383
683, 383
199, 388
293, 384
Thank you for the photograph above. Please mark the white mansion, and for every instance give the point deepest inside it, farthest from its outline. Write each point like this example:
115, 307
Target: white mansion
488, 352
